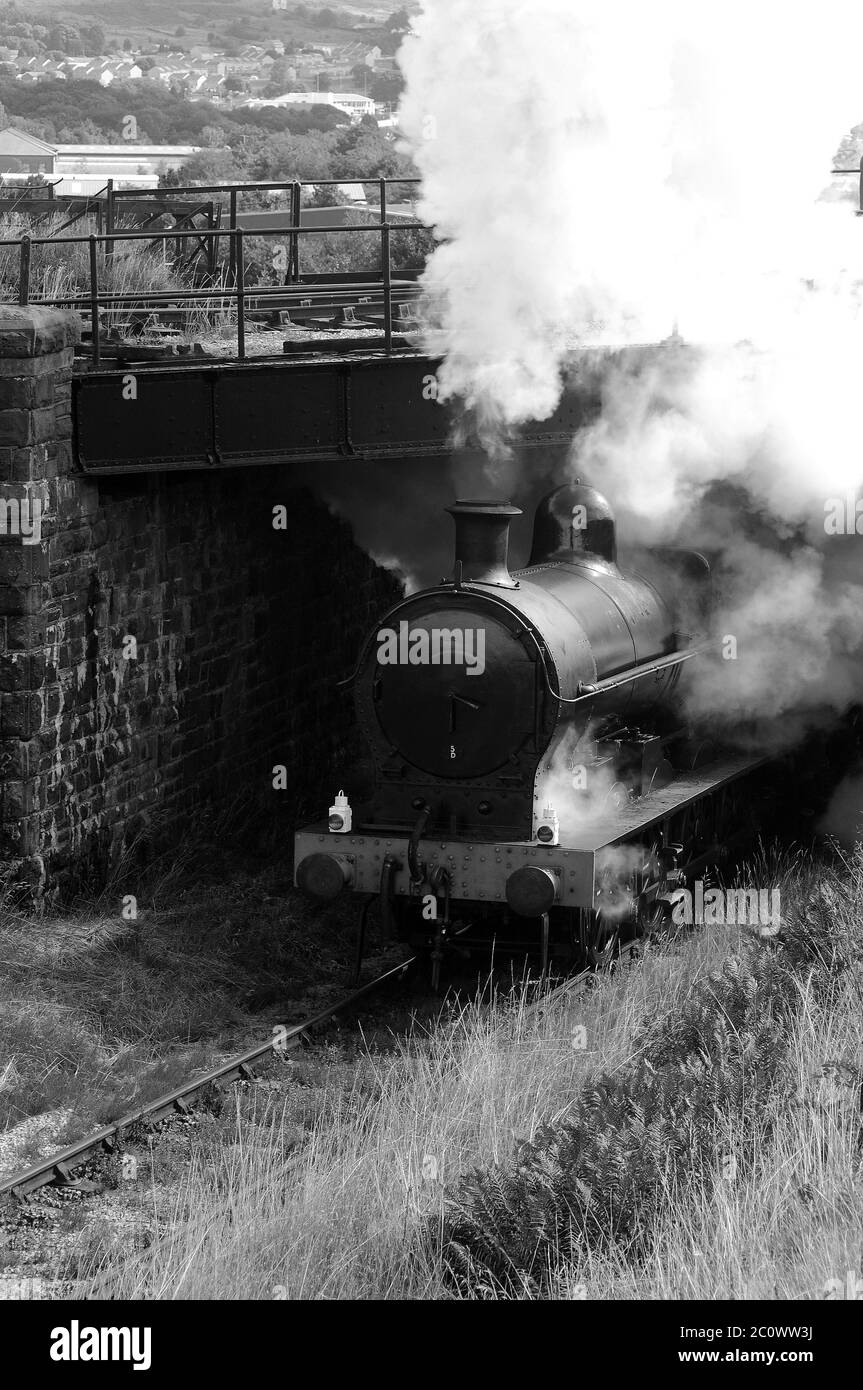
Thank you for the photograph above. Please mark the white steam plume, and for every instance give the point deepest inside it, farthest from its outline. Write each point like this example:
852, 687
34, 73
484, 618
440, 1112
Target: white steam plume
602, 169
605, 172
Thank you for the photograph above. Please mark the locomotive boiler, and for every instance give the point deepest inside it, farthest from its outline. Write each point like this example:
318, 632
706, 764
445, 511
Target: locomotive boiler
530, 764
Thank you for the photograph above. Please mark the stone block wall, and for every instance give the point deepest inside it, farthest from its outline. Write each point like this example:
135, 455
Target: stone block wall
163, 646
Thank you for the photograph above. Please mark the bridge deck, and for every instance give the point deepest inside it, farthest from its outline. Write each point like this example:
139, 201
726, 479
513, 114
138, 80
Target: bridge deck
204, 413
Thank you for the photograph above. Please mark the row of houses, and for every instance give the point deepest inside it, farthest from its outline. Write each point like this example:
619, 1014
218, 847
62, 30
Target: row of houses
202, 73
201, 76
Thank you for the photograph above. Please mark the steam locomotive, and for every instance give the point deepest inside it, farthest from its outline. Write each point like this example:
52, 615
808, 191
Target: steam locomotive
533, 773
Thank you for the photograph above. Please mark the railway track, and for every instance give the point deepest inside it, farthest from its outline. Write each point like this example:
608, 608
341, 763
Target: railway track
59, 1168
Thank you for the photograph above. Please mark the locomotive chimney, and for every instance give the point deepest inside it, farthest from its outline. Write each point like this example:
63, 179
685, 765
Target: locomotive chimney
482, 541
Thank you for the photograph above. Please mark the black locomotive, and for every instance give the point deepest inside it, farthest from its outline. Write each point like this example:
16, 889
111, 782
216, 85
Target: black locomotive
530, 761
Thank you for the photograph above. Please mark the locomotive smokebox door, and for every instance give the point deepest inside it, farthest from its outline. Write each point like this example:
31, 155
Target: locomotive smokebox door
470, 709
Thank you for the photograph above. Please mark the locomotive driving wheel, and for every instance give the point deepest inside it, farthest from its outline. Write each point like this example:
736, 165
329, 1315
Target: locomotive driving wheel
597, 936
650, 915
651, 919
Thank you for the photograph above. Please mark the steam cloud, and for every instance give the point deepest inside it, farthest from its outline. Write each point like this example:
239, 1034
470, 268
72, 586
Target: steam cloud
843, 817
610, 174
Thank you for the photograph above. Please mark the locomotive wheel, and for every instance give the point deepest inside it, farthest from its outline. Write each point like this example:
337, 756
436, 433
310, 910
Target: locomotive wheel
597, 937
650, 915
692, 829
651, 918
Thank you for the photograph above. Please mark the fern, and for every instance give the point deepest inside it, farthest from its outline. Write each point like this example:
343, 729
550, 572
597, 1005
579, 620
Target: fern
600, 1178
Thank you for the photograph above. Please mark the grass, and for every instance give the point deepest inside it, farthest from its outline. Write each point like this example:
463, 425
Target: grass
355, 1173
99, 1013
62, 271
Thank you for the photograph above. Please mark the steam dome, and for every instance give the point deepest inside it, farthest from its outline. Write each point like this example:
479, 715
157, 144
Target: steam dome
573, 522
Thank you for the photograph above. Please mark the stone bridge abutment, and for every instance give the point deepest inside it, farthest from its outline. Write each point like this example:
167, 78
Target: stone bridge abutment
166, 639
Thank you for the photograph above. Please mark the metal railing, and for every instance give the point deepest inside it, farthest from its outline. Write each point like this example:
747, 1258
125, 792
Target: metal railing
859, 172
235, 292
30, 193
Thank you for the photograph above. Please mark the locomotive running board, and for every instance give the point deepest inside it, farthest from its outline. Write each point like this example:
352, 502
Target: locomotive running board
659, 805
479, 871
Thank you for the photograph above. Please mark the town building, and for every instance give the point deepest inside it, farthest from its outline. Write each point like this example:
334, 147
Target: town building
352, 103
86, 169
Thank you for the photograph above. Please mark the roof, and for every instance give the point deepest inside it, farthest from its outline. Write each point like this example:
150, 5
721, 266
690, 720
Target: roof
126, 150
18, 142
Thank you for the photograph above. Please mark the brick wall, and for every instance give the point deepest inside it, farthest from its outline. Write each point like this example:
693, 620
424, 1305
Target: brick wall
162, 645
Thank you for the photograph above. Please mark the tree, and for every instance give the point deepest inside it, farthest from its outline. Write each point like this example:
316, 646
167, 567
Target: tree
371, 157
65, 37
348, 139
213, 137
94, 39
387, 86
234, 84
398, 23
212, 166
84, 132
324, 196
152, 125
127, 45
291, 157
326, 19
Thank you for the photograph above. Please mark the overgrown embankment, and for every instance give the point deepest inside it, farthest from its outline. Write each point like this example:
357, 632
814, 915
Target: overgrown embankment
124, 996
699, 1101
688, 1126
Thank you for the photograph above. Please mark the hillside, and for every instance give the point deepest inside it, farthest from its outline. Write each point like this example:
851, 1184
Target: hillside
248, 21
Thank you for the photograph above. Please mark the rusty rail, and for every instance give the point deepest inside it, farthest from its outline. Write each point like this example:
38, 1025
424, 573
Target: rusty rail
236, 288
60, 1166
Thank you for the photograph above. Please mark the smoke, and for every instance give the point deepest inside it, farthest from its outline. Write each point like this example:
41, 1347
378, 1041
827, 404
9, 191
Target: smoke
617, 173
581, 791
600, 171
843, 818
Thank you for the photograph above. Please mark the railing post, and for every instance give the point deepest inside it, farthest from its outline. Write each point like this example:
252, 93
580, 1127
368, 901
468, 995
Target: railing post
109, 220
294, 259
94, 301
383, 200
232, 250
24, 272
861, 187
388, 291
241, 296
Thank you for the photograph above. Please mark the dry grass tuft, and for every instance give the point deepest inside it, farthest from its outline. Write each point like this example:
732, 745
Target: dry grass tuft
99, 1013
349, 1180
